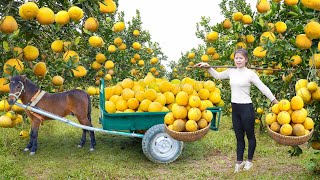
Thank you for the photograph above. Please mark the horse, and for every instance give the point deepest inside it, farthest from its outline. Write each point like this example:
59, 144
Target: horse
76, 102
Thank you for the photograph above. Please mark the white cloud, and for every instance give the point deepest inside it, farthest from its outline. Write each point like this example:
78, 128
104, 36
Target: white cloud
172, 23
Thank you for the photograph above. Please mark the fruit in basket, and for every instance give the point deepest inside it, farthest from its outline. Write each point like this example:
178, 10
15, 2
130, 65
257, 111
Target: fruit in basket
191, 125
308, 124
275, 126
284, 105
178, 125
179, 112
299, 116
182, 98
194, 101
207, 115
271, 118
283, 117
194, 114
286, 129
298, 130
202, 123
291, 121
169, 118
275, 109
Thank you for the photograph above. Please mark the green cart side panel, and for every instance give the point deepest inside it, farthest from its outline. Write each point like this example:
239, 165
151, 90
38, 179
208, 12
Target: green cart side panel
140, 120
132, 121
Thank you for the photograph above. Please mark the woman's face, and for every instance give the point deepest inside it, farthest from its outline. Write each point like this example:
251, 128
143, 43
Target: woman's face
239, 60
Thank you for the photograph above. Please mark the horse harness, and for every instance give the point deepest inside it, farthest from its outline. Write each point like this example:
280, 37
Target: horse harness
34, 100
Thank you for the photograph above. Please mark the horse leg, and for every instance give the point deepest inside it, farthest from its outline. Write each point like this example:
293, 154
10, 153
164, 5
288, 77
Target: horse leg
83, 138
33, 144
27, 148
86, 122
92, 140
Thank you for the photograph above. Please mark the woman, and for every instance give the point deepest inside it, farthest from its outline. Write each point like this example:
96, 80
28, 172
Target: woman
243, 118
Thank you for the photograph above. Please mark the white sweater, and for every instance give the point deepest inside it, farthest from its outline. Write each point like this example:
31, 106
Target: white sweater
240, 82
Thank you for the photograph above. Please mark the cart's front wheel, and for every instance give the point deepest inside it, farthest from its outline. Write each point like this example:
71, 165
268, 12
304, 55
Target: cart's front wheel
159, 147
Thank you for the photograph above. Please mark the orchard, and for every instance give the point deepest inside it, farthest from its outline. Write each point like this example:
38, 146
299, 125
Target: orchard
65, 45
283, 38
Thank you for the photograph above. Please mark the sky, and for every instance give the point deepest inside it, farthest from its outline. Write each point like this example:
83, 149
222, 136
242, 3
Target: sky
172, 23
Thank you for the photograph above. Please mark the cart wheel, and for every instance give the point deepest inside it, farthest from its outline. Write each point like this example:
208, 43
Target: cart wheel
159, 147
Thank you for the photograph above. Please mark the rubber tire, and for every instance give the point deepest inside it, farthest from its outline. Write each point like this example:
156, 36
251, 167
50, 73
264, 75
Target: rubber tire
151, 149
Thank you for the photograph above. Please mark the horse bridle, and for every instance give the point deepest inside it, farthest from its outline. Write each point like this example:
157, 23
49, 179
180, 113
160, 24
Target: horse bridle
17, 94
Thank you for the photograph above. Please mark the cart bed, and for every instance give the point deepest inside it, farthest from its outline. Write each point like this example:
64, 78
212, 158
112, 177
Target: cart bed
140, 120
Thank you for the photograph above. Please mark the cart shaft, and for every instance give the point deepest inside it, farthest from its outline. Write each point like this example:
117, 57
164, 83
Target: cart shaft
71, 123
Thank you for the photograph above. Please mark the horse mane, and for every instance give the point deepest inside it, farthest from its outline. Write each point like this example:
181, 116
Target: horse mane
31, 85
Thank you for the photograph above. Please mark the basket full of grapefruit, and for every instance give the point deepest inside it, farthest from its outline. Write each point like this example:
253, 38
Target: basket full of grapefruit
288, 123
189, 119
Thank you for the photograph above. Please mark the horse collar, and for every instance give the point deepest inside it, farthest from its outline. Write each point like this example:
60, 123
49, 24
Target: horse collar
36, 98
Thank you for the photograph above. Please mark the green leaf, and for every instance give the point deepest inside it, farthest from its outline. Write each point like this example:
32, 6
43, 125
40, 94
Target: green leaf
77, 40
261, 22
295, 151
16, 33
6, 46
296, 9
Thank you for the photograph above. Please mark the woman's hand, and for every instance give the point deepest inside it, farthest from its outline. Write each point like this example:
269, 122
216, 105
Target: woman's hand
202, 65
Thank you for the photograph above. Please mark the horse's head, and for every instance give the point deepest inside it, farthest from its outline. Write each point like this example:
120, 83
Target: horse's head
17, 86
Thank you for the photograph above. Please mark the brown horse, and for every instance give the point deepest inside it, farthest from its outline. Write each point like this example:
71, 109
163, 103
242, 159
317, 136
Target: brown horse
74, 101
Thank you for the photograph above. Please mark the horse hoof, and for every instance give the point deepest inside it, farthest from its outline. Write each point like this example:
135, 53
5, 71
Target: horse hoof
79, 146
32, 153
26, 149
92, 149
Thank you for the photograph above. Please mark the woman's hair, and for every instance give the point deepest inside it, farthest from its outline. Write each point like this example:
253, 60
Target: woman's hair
244, 53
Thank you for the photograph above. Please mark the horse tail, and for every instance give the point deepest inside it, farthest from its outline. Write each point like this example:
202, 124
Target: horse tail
89, 108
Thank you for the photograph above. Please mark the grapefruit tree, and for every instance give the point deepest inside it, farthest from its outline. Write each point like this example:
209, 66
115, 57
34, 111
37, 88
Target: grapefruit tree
73, 44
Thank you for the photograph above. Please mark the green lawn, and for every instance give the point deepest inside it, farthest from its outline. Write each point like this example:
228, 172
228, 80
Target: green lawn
117, 157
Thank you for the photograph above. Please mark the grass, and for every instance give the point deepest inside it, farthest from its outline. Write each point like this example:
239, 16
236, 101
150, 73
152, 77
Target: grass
118, 157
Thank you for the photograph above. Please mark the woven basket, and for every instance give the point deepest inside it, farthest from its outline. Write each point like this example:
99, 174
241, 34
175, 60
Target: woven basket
289, 140
188, 136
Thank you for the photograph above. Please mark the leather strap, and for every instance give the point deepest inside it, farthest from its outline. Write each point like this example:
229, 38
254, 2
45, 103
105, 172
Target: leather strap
34, 101
36, 98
